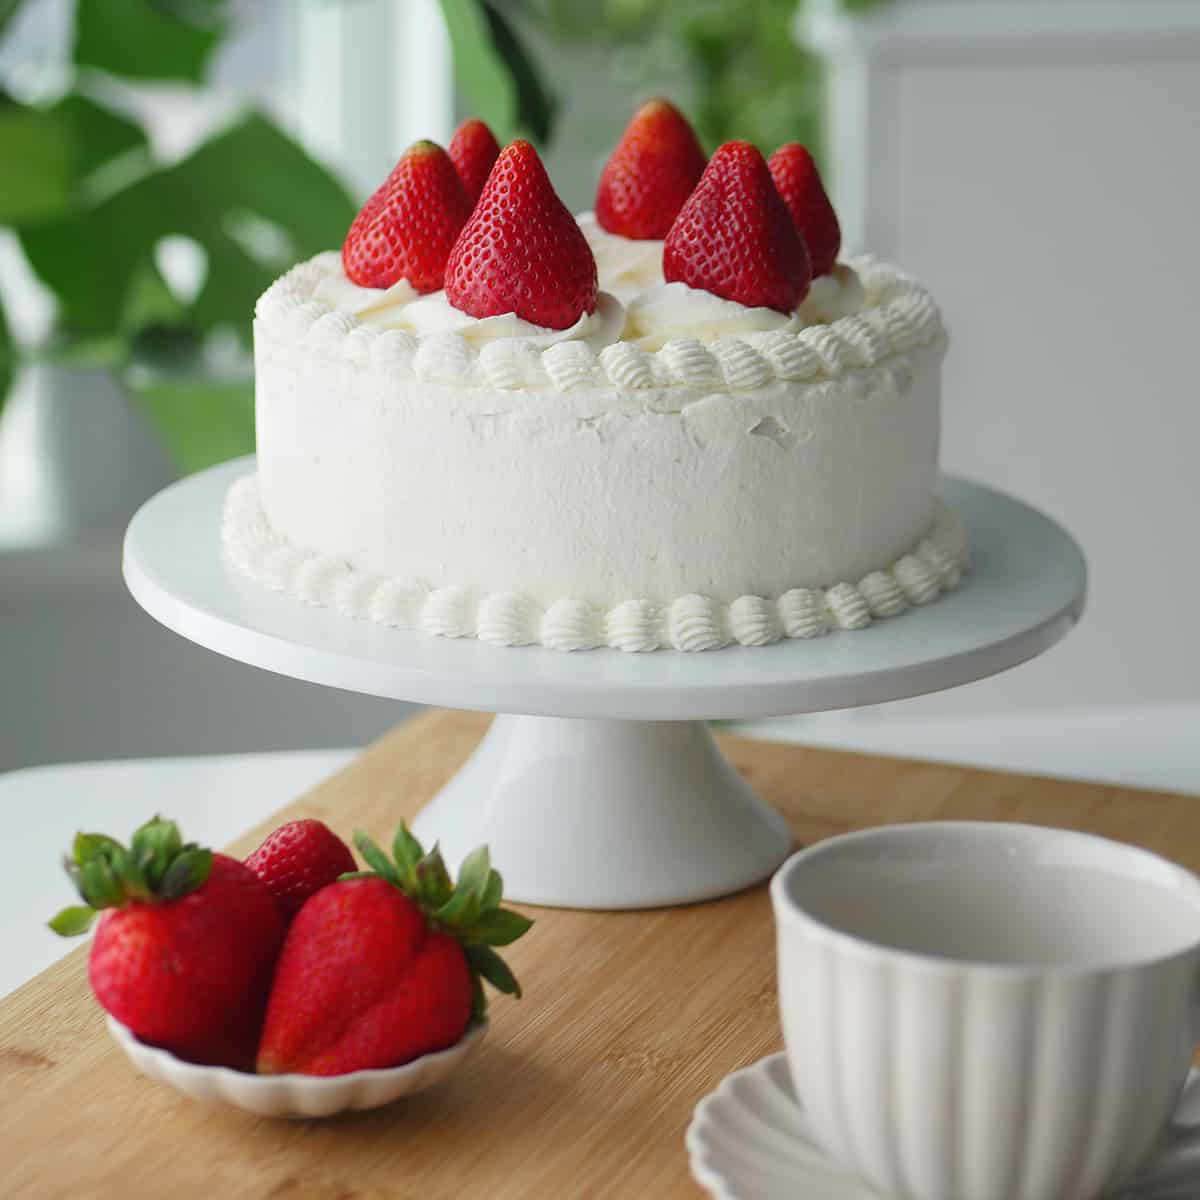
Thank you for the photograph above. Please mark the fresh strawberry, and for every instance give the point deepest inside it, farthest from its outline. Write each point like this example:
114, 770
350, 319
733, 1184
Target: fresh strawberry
473, 150
380, 969
522, 252
799, 183
405, 230
300, 858
650, 174
183, 954
734, 236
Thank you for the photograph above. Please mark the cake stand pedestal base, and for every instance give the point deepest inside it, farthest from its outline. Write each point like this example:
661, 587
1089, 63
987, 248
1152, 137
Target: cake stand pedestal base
606, 814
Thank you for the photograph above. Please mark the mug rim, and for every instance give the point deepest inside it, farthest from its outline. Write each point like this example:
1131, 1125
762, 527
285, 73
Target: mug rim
788, 909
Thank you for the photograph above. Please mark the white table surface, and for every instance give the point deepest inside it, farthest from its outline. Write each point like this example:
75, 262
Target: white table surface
214, 799
218, 797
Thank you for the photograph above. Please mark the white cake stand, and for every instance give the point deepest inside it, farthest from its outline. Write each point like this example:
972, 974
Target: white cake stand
607, 791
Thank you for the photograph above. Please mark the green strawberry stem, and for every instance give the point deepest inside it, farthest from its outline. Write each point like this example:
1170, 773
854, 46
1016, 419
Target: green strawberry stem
157, 867
467, 909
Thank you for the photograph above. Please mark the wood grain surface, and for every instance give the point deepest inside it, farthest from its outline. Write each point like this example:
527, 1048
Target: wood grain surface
582, 1089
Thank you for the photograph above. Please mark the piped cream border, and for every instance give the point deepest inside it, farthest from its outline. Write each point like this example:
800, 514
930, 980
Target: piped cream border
689, 623
899, 316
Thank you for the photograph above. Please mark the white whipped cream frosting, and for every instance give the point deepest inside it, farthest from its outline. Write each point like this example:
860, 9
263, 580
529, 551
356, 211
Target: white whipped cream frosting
624, 266
833, 296
434, 314
670, 336
370, 305
674, 310
635, 308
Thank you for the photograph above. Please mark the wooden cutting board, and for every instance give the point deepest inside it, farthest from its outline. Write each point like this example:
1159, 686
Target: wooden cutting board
582, 1089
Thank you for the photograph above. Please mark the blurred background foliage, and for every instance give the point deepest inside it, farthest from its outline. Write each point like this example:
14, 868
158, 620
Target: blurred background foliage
738, 60
92, 207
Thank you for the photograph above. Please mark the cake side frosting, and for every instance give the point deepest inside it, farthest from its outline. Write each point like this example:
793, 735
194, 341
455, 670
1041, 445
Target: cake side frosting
688, 623
750, 464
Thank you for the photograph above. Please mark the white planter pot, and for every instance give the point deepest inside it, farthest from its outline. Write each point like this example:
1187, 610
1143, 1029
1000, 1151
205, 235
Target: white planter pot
76, 457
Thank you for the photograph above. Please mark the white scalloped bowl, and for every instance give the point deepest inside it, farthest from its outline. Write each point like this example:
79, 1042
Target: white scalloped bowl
296, 1096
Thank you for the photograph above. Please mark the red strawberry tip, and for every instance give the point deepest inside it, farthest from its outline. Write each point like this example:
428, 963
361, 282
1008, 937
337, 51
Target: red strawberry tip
158, 866
473, 150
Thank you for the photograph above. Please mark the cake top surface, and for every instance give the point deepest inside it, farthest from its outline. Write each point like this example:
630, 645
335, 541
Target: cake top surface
659, 336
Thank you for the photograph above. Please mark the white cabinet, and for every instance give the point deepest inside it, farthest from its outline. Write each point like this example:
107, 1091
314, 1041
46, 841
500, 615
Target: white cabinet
1038, 166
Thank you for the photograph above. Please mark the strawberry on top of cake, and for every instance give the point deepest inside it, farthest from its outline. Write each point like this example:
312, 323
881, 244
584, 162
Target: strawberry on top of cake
475, 241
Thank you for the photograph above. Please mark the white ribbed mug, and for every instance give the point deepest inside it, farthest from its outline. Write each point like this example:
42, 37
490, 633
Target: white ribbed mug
989, 1011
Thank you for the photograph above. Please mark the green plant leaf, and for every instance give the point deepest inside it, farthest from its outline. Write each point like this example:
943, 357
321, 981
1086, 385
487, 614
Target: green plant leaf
501, 927
495, 72
202, 421
36, 165
95, 259
72, 921
8, 358
478, 69
138, 39
100, 137
8, 10
537, 107
150, 306
493, 968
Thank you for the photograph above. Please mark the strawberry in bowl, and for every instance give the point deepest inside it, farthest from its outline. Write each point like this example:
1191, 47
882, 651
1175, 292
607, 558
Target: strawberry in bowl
186, 943
373, 991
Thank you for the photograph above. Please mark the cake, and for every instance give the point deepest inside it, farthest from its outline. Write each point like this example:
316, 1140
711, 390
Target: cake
672, 468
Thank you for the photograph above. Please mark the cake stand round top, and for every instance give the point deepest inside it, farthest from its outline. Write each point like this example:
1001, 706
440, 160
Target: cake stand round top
1025, 590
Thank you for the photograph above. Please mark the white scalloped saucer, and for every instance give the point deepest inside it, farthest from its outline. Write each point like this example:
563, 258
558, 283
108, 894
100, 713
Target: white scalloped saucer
298, 1096
750, 1140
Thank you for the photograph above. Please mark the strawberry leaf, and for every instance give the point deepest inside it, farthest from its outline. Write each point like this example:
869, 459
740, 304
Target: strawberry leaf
500, 927
376, 859
407, 852
153, 847
187, 872
486, 962
473, 873
460, 912
72, 921
98, 884
93, 845
493, 891
434, 885
478, 999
